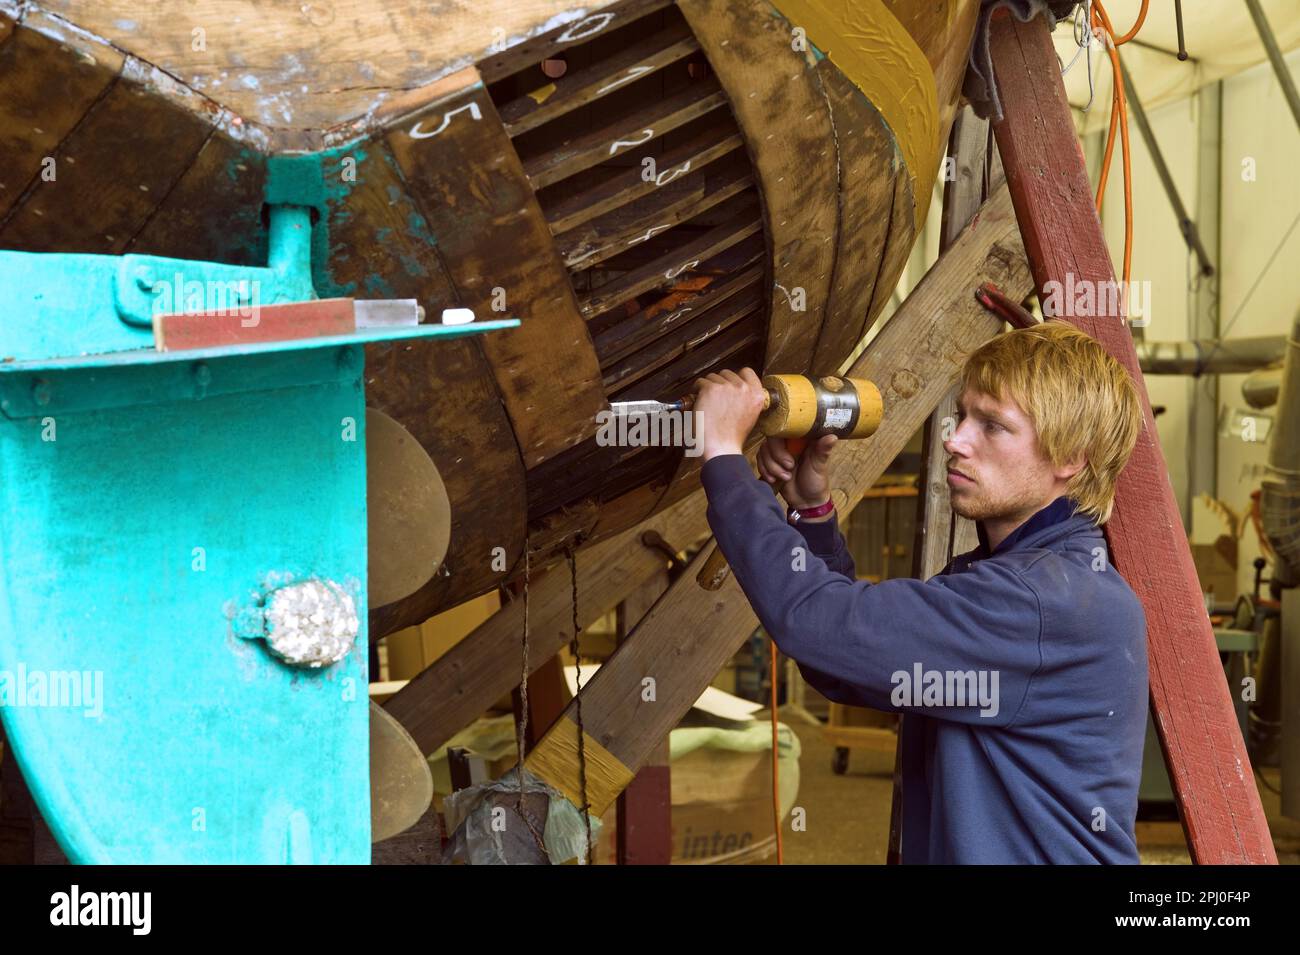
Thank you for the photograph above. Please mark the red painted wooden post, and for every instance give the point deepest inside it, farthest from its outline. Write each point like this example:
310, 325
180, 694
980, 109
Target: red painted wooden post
1208, 766
644, 812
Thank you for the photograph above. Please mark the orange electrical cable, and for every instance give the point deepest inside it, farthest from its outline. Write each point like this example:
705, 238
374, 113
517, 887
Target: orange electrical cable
1142, 15
1119, 104
1110, 150
776, 793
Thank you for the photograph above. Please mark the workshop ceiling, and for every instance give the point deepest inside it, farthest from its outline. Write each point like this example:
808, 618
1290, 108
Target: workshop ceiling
1219, 35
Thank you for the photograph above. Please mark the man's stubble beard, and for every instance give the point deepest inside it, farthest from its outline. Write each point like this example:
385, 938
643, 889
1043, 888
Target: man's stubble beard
980, 508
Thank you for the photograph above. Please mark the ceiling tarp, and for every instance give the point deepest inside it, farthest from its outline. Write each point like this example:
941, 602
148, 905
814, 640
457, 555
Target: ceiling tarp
1220, 37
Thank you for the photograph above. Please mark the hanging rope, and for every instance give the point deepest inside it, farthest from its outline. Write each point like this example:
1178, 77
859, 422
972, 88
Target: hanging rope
521, 727
776, 791
577, 699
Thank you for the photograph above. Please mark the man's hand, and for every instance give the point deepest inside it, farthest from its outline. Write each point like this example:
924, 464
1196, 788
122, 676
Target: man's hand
805, 483
727, 406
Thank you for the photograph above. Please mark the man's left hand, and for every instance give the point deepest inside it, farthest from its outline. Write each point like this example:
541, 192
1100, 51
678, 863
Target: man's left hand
727, 406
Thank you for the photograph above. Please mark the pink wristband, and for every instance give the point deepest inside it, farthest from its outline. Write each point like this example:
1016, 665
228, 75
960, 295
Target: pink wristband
796, 515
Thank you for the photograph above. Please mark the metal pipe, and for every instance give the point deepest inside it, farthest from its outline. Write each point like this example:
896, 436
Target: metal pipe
1209, 357
1280, 489
1261, 387
1275, 57
1178, 21
1185, 224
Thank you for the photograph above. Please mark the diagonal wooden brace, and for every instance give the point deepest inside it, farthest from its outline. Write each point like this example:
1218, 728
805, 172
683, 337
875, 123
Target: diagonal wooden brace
1208, 766
456, 688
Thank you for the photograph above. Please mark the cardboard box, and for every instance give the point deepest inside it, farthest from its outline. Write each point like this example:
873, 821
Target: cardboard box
413, 649
1216, 567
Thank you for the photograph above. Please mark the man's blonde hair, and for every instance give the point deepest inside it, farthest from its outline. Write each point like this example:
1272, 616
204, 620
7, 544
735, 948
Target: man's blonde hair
1081, 400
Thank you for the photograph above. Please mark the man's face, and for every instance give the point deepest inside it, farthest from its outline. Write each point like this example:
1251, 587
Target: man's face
996, 469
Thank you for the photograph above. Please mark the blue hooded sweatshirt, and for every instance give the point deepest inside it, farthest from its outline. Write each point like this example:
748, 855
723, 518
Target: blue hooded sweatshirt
1023, 673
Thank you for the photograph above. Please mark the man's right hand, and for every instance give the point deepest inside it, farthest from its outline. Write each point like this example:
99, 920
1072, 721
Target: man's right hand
803, 483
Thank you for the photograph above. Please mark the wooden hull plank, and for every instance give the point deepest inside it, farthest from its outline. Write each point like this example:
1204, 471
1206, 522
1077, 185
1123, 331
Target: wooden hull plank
459, 164
707, 146
625, 133
641, 330
381, 249
133, 145
48, 80
215, 211
671, 205
582, 86
581, 26
732, 301
867, 173
743, 222
357, 54
899, 237
874, 50
778, 101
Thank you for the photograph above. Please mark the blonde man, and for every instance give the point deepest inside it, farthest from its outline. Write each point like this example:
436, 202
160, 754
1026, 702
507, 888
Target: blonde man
1022, 666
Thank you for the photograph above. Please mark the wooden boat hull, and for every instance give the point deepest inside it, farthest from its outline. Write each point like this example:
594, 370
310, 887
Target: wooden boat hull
708, 184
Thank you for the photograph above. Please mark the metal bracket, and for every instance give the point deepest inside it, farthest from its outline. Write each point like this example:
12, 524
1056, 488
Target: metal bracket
148, 285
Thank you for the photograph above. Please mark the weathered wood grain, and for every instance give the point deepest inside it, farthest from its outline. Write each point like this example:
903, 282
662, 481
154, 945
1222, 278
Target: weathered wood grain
674, 203
742, 221
311, 65
227, 175
459, 165
624, 133
777, 98
705, 146
128, 151
48, 80
865, 150
580, 87
461, 684
441, 391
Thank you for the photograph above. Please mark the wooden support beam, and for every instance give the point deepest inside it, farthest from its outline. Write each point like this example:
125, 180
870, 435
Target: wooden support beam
1208, 764
940, 533
690, 632
547, 697
462, 683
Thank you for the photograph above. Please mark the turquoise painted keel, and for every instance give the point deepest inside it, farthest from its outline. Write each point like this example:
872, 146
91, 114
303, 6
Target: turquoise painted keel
153, 505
